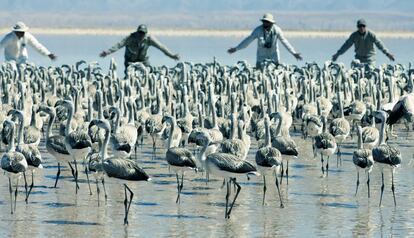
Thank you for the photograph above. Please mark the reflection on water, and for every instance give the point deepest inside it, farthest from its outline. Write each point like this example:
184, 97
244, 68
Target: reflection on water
313, 205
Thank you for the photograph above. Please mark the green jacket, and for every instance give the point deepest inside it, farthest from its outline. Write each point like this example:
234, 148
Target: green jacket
364, 46
136, 51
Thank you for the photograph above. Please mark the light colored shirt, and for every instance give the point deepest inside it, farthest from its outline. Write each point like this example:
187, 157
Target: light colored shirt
364, 46
16, 49
270, 37
136, 51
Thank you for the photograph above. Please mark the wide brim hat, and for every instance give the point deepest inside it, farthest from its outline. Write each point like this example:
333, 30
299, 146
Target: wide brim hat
20, 27
268, 17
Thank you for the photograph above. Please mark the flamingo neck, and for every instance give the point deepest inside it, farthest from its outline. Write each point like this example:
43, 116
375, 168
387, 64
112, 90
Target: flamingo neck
267, 134
20, 135
240, 131
279, 125
213, 112
172, 128
117, 121
104, 148
233, 127
11, 146
202, 156
68, 128
360, 145
382, 133
100, 111
186, 109
341, 107
130, 114
391, 90
200, 117
49, 126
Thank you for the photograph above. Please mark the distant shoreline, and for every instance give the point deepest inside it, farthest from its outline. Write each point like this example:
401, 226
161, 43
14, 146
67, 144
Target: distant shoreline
205, 32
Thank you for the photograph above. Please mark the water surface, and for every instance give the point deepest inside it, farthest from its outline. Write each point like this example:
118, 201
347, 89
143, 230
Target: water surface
313, 205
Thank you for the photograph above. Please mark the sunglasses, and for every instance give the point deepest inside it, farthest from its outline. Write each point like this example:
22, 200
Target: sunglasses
361, 26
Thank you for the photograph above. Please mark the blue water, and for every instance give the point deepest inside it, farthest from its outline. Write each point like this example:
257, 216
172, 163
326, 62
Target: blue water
71, 48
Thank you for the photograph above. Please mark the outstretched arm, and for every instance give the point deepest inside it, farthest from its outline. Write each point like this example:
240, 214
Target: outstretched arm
246, 42
154, 42
382, 47
348, 43
38, 46
114, 48
288, 46
3, 42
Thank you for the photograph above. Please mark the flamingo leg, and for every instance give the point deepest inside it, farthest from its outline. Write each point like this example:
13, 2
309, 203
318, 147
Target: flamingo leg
57, 175
357, 183
368, 185
224, 183
131, 196
227, 198
182, 182
327, 166
178, 189
382, 187
322, 168
97, 190
11, 196
235, 197
281, 173
87, 178
76, 176
393, 188
104, 188
338, 157
15, 194
287, 172
125, 206
30, 189
153, 146
25, 182
264, 189
278, 191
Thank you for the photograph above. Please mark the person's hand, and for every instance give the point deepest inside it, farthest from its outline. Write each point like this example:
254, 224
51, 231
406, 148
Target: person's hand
232, 50
334, 57
175, 57
103, 54
390, 56
298, 56
52, 56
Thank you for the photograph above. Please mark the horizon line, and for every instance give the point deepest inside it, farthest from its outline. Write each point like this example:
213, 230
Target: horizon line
180, 32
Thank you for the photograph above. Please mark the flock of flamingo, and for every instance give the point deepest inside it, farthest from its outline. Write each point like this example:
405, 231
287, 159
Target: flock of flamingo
206, 114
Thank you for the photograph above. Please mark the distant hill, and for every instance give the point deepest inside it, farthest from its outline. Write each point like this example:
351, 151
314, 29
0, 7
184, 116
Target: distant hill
209, 14
208, 5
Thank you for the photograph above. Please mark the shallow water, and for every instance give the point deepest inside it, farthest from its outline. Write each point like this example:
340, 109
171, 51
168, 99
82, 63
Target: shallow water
313, 205
72, 48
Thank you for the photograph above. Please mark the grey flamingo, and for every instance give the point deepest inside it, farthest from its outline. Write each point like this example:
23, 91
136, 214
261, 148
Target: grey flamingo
229, 167
386, 155
119, 168
362, 159
269, 159
14, 163
179, 159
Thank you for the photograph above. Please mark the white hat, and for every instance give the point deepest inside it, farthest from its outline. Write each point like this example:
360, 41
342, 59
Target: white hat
268, 17
20, 27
